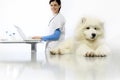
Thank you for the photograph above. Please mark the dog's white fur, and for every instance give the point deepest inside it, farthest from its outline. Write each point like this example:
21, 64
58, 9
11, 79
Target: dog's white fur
87, 40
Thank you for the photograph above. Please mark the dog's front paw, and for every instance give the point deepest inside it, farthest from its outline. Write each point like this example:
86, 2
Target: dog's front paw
90, 54
100, 53
85, 51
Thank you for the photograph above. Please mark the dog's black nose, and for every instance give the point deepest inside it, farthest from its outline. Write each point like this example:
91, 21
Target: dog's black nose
93, 35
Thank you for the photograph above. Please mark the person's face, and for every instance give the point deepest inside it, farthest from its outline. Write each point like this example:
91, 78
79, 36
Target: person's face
54, 7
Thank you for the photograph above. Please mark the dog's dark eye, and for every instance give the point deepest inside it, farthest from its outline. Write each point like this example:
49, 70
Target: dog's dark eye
87, 27
95, 28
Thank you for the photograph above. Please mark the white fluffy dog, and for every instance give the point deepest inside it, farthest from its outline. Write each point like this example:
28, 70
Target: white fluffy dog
87, 40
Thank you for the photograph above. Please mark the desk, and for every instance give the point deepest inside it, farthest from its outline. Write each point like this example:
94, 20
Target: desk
32, 43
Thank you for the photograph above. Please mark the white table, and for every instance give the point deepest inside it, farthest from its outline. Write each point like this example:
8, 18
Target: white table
32, 43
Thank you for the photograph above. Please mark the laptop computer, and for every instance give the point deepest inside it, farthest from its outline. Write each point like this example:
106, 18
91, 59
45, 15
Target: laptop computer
23, 36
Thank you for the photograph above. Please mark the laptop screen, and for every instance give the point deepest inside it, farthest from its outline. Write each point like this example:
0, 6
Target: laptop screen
19, 30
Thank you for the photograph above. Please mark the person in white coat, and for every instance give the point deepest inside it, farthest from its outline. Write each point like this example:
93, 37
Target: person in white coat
56, 27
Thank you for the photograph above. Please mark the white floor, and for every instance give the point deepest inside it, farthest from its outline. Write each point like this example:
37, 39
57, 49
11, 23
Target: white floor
64, 67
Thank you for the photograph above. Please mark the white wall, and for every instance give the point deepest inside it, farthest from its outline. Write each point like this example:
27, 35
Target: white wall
27, 14
33, 14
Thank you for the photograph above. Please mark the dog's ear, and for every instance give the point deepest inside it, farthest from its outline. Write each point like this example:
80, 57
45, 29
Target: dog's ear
83, 20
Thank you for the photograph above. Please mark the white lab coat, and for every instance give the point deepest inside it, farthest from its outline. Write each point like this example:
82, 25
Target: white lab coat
58, 21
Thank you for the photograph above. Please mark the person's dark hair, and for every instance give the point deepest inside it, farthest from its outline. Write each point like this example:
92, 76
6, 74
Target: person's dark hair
58, 1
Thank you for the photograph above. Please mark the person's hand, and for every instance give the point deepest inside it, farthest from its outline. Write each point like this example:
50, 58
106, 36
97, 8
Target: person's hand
36, 37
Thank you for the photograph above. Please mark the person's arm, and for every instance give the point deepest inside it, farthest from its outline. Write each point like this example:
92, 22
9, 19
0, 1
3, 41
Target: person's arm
54, 36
